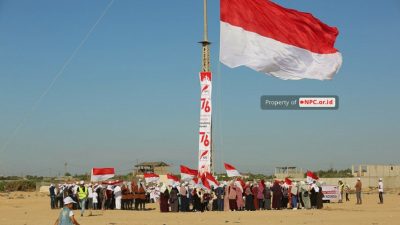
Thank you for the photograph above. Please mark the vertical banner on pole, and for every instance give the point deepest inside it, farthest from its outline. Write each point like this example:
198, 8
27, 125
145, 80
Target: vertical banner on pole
205, 123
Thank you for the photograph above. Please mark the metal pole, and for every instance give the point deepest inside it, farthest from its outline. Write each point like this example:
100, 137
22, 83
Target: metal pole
205, 21
205, 43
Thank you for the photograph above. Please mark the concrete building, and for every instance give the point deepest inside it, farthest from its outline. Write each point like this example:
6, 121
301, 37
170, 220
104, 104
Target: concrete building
370, 175
160, 168
288, 171
376, 170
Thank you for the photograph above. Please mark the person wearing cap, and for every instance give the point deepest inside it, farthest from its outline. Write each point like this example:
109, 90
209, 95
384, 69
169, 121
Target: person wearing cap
66, 216
82, 193
358, 187
380, 189
118, 197
341, 190
90, 197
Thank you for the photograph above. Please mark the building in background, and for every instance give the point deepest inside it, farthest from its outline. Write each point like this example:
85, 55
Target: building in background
376, 170
288, 171
160, 168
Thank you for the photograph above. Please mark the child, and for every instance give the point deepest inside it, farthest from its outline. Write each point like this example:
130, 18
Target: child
95, 201
66, 216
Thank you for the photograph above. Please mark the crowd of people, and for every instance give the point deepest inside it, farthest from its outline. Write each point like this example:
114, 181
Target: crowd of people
100, 196
234, 195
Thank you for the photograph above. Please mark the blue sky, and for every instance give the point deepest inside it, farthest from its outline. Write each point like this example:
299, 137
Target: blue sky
131, 93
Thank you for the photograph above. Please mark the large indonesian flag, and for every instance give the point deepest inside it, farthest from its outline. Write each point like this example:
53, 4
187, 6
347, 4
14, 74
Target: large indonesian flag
151, 177
188, 174
311, 177
283, 42
102, 174
231, 171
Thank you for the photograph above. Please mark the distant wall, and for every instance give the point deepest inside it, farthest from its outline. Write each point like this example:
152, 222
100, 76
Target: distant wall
376, 170
367, 182
291, 175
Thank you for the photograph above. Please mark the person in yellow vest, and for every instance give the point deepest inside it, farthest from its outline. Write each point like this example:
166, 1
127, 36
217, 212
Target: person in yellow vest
82, 196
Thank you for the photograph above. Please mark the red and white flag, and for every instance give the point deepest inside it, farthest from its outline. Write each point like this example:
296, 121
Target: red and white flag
102, 174
188, 174
231, 171
173, 180
195, 181
207, 181
285, 43
151, 177
311, 177
211, 180
203, 183
288, 181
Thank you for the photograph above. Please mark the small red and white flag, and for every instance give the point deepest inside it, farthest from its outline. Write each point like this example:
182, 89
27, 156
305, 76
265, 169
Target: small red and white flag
102, 174
188, 174
203, 183
288, 181
211, 180
271, 39
173, 180
151, 177
311, 177
231, 171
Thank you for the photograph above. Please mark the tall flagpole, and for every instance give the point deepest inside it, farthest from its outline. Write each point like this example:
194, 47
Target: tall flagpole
205, 136
206, 68
205, 43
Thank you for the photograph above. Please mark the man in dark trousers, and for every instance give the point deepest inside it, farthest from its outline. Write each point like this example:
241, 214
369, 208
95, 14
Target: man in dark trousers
380, 189
52, 191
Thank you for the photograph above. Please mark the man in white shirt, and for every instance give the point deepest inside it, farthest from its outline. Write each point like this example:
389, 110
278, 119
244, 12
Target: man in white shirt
117, 196
90, 198
380, 189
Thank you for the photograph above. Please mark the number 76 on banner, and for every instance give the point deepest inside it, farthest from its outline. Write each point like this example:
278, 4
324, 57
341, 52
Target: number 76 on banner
205, 105
204, 139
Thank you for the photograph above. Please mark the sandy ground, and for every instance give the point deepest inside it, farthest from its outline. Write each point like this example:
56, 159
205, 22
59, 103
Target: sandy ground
33, 209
